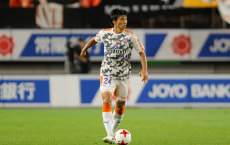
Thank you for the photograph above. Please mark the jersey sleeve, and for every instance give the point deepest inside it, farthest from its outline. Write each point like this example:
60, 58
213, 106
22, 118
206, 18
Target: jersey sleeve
137, 45
98, 37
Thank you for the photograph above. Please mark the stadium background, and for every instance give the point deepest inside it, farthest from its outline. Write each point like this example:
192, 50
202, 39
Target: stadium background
166, 15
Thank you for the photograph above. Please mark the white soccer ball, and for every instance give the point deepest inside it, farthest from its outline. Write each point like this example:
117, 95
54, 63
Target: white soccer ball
122, 137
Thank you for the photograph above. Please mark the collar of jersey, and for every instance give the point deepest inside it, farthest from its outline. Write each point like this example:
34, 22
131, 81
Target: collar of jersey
119, 33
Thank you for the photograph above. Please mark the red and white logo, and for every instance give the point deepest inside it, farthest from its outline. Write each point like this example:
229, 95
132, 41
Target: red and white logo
6, 45
115, 95
181, 45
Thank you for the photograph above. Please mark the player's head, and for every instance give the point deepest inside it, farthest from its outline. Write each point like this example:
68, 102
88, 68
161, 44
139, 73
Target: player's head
81, 42
81, 39
119, 17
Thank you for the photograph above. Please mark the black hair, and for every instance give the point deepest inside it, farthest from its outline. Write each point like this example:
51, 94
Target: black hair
116, 13
81, 39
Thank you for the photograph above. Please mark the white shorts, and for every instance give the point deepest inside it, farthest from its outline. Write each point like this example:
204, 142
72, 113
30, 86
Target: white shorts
118, 87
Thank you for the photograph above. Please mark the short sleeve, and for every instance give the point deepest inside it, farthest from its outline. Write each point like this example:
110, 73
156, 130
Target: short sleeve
137, 45
98, 37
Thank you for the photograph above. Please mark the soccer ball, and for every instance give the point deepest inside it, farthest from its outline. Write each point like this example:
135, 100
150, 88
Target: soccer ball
122, 137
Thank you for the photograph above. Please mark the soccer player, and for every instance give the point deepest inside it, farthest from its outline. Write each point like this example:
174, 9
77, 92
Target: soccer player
116, 68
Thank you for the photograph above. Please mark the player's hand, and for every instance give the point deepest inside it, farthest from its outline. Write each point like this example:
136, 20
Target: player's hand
144, 76
83, 53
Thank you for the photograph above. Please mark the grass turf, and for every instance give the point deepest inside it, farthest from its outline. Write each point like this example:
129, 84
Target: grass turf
84, 126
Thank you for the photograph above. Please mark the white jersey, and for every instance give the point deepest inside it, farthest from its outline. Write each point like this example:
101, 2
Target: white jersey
117, 52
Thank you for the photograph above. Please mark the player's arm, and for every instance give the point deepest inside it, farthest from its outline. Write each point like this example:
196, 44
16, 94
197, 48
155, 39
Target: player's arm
144, 72
91, 43
140, 48
81, 58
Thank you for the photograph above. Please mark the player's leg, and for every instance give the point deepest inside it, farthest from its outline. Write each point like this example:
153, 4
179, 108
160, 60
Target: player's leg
106, 88
118, 114
107, 111
121, 94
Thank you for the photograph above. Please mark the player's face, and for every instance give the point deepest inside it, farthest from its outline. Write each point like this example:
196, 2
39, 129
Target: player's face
121, 22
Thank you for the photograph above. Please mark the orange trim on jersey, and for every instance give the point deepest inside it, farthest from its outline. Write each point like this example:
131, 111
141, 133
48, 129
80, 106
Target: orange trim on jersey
101, 80
106, 108
120, 112
115, 92
128, 31
107, 29
142, 49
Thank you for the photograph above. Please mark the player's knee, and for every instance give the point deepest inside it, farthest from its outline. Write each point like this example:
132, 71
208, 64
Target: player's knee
107, 101
107, 98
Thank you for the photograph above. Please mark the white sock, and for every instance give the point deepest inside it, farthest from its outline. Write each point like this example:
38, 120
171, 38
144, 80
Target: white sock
117, 118
107, 119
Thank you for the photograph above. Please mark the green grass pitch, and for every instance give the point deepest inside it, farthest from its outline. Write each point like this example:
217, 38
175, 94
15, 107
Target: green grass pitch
84, 126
